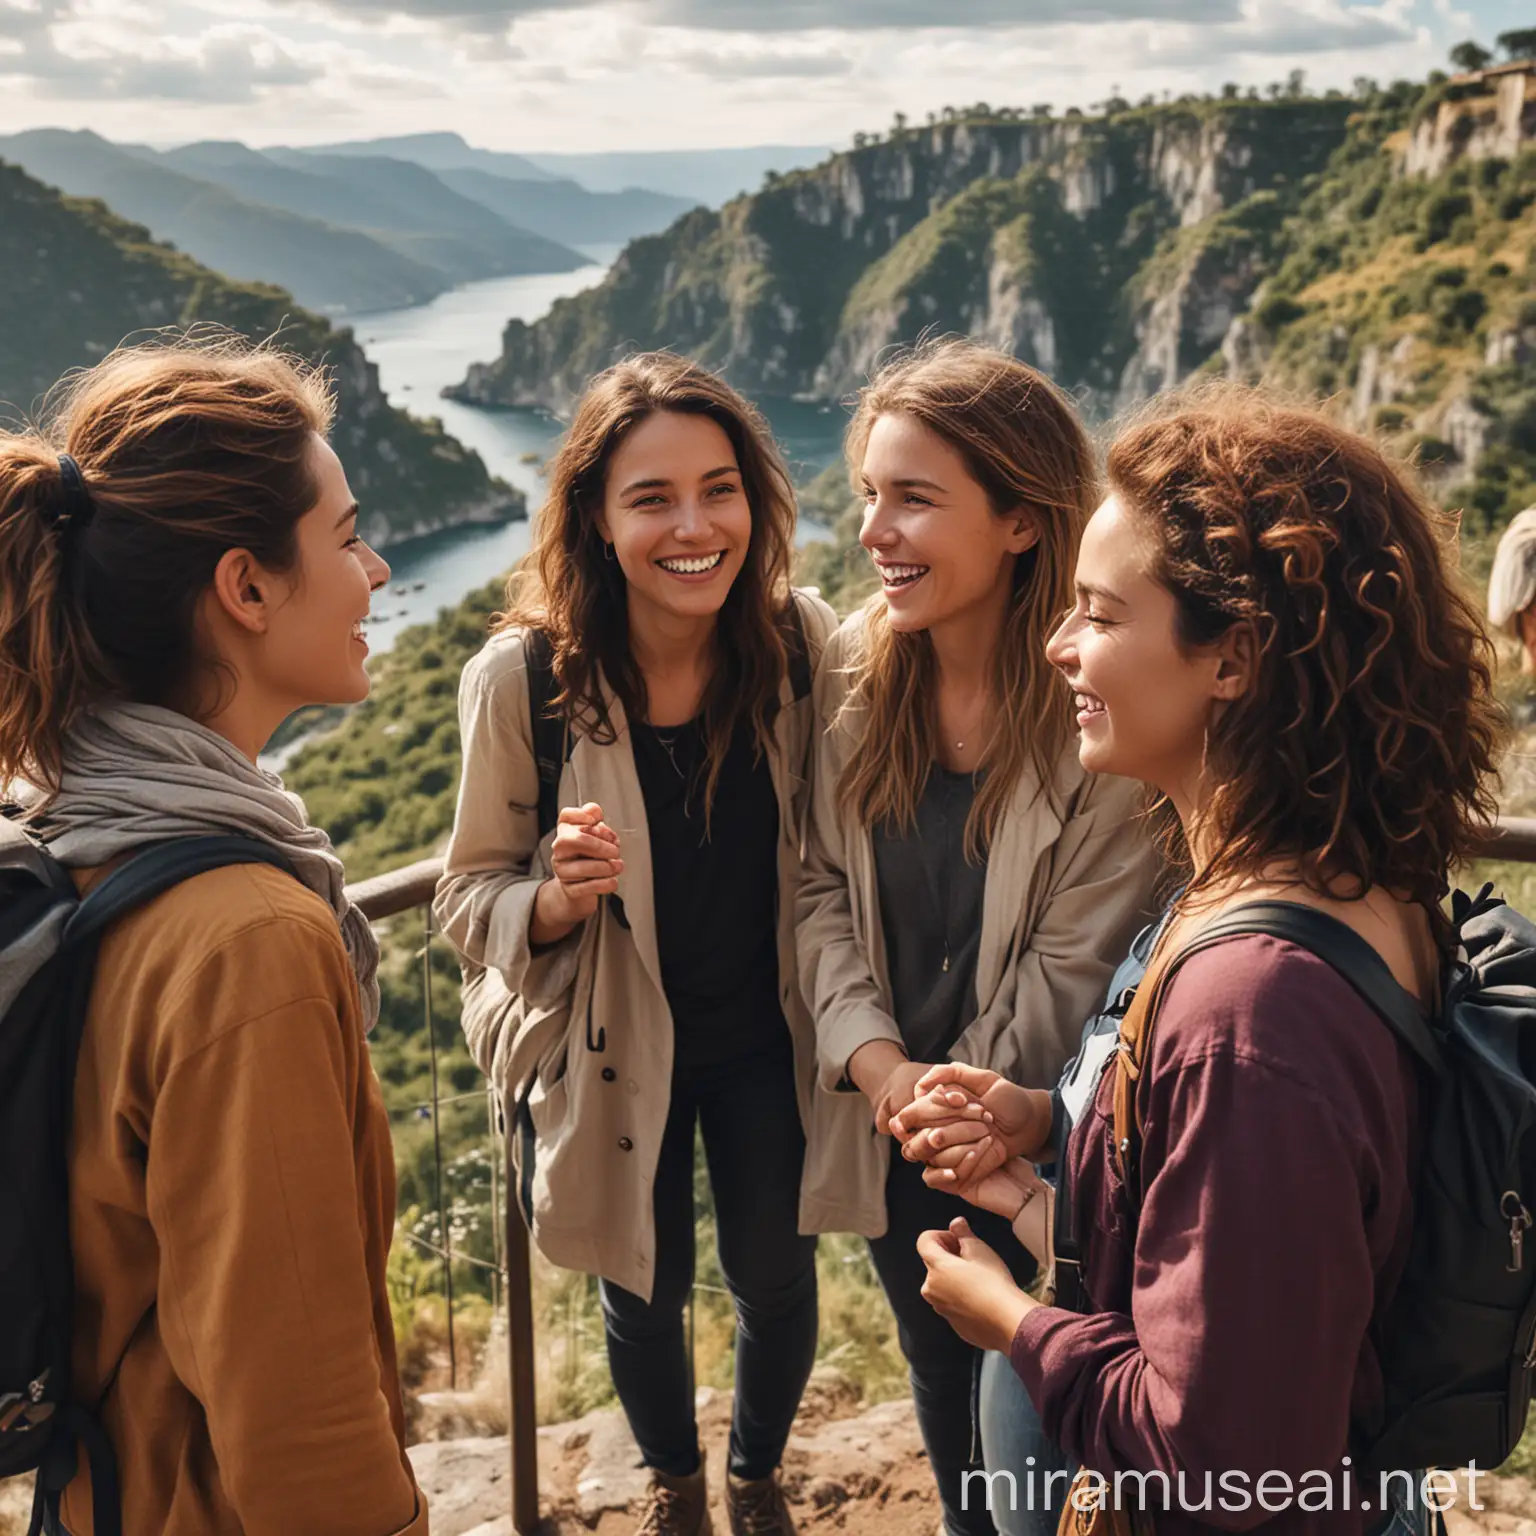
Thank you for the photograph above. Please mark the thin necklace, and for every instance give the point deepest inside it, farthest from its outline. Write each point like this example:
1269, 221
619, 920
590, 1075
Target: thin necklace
668, 743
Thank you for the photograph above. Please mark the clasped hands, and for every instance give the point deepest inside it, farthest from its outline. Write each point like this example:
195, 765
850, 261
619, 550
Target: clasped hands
977, 1135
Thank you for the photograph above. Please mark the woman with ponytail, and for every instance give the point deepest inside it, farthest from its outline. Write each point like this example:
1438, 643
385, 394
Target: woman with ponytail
968, 887
180, 570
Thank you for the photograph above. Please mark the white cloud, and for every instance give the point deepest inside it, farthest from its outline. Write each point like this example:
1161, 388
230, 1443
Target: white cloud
600, 74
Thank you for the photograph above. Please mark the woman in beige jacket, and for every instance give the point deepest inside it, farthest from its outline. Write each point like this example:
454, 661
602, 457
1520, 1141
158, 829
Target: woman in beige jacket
630, 968
968, 887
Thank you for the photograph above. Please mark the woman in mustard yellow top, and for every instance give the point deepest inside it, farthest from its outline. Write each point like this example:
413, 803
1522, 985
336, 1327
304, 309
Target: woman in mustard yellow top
180, 569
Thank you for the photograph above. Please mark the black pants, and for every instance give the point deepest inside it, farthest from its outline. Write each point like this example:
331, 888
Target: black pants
755, 1149
942, 1366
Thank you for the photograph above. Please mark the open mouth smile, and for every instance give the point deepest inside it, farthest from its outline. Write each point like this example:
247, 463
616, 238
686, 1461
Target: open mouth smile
894, 577
692, 565
1089, 707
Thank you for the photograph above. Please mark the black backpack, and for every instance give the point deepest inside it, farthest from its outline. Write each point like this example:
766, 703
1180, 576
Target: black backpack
1457, 1344
42, 1426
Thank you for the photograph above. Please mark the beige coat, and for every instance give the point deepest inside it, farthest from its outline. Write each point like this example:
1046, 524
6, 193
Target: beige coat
1069, 883
579, 1036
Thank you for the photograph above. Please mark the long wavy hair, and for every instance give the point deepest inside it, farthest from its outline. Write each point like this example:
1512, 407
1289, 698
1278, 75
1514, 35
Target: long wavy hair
568, 587
1024, 445
1363, 752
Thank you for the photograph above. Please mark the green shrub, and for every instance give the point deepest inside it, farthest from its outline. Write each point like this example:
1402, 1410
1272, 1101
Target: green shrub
1278, 311
1440, 215
1434, 452
1460, 308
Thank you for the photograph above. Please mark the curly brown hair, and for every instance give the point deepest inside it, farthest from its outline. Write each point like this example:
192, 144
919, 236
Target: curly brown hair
567, 588
1363, 752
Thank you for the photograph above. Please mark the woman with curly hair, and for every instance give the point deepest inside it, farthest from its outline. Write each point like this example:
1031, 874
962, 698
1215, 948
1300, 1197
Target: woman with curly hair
630, 970
1266, 630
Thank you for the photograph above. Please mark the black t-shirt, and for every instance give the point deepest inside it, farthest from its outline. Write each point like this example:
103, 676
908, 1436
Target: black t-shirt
931, 901
716, 890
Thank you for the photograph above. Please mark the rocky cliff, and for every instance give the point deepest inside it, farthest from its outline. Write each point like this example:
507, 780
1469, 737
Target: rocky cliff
1402, 287
1031, 233
75, 280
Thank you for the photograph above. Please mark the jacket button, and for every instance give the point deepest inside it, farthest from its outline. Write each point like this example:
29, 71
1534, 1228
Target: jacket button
625, 1144
609, 1075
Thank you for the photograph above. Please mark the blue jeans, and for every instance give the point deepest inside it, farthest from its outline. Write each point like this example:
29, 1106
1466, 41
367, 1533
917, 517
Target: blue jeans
1014, 1442
941, 1365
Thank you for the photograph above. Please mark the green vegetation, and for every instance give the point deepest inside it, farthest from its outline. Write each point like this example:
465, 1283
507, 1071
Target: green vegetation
798, 286
1405, 299
75, 280
1421, 283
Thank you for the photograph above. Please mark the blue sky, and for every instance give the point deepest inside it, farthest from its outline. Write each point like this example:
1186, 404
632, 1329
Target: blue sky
662, 74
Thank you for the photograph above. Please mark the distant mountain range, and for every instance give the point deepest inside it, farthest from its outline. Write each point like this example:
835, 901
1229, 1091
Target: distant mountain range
75, 280
342, 230
709, 176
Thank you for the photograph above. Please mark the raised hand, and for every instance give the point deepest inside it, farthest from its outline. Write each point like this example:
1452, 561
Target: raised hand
585, 866
970, 1287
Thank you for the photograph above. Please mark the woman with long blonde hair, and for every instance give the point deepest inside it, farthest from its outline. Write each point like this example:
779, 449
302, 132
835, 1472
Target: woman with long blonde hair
630, 966
968, 887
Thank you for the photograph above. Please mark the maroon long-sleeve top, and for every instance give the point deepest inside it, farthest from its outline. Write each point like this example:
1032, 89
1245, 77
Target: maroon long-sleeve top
1231, 1322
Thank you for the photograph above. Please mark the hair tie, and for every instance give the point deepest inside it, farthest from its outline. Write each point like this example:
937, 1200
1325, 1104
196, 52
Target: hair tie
78, 506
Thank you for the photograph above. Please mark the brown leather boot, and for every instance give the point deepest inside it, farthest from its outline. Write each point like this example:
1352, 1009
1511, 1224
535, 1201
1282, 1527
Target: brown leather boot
676, 1506
757, 1507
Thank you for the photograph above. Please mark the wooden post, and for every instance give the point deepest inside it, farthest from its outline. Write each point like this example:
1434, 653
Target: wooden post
523, 1424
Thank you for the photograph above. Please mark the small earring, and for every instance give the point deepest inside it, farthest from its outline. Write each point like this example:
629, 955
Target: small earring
607, 550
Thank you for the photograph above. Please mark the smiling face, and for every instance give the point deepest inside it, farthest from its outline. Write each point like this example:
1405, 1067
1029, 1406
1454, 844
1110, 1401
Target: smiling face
1144, 699
313, 650
676, 515
941, 550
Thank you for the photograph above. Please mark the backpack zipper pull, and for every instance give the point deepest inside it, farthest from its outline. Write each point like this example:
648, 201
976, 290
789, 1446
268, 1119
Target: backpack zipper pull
1515, 1213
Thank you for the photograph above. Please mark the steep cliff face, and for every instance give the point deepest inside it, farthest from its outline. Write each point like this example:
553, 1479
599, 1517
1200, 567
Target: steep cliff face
75, 280
1023, 232
1403, 294
1475, 117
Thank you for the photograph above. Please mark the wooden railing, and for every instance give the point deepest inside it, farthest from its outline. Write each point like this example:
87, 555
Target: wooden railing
411, 887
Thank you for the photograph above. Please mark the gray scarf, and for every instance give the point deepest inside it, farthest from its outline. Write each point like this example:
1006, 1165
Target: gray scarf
135, 774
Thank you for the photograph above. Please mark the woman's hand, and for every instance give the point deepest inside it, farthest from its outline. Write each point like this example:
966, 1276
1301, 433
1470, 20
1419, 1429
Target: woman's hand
585, 865
1004, 1193
970, 1287
882, 1073
980, 1121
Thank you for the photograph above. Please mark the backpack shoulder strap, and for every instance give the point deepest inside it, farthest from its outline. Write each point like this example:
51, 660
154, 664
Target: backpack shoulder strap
1351, 956
797, 647
551, 729
158, 868
1333, 942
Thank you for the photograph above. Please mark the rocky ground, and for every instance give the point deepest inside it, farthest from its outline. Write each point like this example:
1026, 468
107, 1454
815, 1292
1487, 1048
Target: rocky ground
856, 1471
862, 1473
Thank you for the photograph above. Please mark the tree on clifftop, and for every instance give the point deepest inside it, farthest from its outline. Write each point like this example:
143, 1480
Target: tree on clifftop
1469, 57
1519, 44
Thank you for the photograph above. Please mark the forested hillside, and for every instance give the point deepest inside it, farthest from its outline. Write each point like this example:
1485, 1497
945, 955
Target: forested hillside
75, 280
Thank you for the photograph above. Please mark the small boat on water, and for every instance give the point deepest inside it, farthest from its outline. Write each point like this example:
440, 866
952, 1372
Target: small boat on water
399, 591
418, 586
